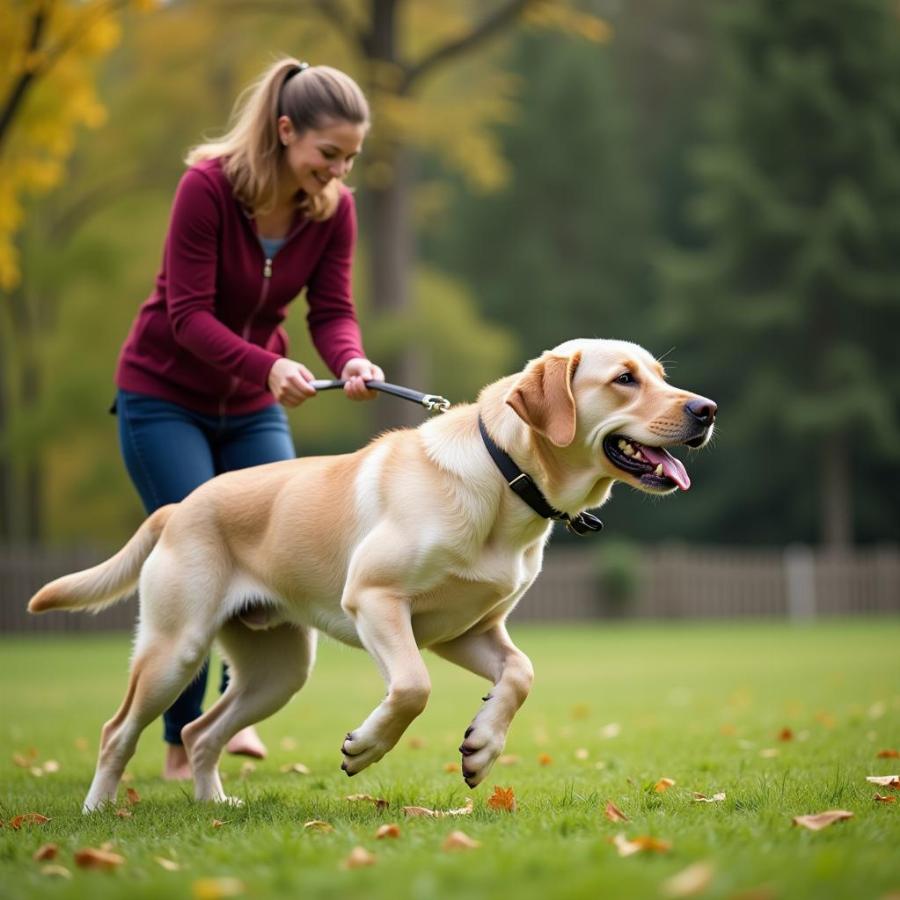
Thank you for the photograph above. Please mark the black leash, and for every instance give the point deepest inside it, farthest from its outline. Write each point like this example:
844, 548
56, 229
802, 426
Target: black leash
524, 486
431, 402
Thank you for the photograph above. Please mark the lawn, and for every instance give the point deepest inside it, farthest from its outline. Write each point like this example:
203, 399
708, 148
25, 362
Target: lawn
784, 720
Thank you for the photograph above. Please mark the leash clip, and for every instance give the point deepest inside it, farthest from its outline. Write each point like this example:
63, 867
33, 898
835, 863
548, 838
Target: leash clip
583, 524
434, 402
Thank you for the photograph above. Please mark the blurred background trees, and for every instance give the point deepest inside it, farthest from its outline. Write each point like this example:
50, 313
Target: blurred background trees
718, 186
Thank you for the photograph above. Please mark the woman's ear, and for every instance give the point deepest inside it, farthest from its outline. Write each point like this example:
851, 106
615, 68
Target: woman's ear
543, 398
285, 130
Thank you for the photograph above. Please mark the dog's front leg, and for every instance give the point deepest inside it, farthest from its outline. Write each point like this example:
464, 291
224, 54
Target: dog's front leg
384, 626
492, 654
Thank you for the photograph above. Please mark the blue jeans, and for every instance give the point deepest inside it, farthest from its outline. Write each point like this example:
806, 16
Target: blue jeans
170, 450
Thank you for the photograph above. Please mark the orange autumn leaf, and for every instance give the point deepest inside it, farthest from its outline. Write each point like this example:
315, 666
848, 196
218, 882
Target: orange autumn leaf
613, 813
459, 840
822, 820
25, 760
888, 754
545, 759
27, 819
502, 799
124, 813
387, 831
358, 858
642, 844
45, 852
424, 811
786, 734
891, 781
367, 798
218, 823
883, 798
663, 785
452, 767
689, 882
132, 796
92, 858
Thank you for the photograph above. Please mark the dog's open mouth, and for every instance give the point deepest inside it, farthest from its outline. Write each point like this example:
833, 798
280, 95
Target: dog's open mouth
654, 467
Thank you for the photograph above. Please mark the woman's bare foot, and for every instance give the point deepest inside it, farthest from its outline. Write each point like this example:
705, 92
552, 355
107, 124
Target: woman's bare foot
177, 767
247, 743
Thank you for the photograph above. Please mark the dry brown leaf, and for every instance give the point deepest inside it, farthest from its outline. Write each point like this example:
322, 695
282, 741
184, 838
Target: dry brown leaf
690, 881
545, 759
367, 798
318, 825
613, 813
51, 767
218, 823
891, 781
27, 819
502, 799
663, 785
644, 843
452, 767
56, 871
358, 858
888, 754
124, 813
459, 840
580, 712
882, 798
168, 864
424, 811
45, 852
388, 831
132, 796
25, 760
94, 858
295, 768
786, 734
823, 819
217, 888
508, 759
702, 798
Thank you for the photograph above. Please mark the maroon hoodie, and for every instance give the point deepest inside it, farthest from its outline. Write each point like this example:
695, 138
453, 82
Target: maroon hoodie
210, 331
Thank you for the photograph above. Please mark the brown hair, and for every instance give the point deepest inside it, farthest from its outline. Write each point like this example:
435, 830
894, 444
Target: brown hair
251, 152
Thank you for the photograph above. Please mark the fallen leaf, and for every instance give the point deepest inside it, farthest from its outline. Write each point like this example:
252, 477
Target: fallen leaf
769, 752
891, 781
358, 858
663, 785
127, 777
295, 768
508, 759
690, 881
424, 811
218, 823
50, 767
826, 719
168, 864
452, 767
613, 730
702, 798
459, 840
217, 888
37, 771
888, 754
822, 820
582, 753
416, 743
56, 871
545, 759
318, 825
645, 843
580, 711
502, 799
388, 831
881, 798
132, 796
25, 760
27, 819
367, 798
124, 813
786, 734
93, 858
45, 852
613, 813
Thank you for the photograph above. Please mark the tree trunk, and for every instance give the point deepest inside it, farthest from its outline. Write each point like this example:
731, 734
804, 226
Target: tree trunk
5, 465
837, 503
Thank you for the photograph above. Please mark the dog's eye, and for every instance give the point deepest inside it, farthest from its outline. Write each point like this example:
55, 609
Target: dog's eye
626, 378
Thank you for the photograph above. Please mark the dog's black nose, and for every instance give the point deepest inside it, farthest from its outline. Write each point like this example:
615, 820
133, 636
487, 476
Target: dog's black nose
703, 410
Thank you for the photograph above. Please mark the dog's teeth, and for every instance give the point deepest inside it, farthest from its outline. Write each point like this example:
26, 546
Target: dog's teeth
658, 470
628, 450
622, 444
639, 456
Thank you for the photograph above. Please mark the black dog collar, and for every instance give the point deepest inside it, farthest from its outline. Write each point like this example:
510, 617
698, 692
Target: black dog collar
528, 491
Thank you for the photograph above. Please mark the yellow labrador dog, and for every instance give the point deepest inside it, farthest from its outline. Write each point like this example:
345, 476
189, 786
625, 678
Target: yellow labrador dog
415, 541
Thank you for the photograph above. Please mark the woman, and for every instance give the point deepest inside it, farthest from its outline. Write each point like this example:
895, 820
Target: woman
260, 214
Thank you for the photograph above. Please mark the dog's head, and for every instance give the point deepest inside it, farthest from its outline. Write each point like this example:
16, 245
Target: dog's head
610, 400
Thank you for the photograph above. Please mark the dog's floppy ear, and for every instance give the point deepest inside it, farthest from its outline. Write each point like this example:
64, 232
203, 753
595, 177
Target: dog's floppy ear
543, 397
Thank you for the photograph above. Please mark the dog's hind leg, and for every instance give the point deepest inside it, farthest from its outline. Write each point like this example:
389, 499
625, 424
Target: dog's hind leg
162, 666
267, 668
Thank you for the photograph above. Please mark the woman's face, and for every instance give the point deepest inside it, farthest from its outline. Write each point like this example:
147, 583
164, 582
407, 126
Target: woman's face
319, 155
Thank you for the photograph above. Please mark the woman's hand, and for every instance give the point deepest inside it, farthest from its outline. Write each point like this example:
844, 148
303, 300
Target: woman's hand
290, 381
356, 373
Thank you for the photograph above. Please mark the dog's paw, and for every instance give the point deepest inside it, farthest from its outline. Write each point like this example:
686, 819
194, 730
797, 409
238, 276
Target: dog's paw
480, 748
361, 751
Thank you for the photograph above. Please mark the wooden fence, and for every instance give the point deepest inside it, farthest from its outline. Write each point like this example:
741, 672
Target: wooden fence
665, 582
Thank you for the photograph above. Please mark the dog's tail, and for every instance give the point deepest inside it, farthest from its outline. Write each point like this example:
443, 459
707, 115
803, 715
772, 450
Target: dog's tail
108, 582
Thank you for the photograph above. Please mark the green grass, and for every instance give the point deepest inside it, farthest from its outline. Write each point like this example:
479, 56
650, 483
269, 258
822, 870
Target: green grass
695, 703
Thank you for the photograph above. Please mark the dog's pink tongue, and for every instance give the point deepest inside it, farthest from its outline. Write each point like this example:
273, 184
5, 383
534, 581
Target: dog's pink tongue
672, 467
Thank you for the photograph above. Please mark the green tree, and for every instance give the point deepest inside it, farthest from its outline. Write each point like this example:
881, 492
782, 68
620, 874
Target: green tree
790, 305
